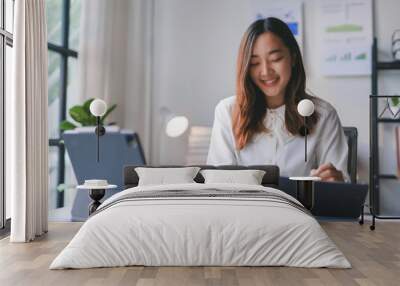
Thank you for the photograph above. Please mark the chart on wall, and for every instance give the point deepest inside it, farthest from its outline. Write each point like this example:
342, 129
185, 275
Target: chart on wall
346, 37
291, 12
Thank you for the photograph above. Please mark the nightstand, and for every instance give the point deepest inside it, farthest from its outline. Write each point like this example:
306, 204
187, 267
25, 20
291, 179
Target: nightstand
96, 192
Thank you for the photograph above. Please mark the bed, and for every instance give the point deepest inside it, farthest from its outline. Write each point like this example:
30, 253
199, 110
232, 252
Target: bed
198, 224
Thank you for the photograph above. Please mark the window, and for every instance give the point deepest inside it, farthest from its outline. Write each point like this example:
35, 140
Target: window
6, 43
63, 39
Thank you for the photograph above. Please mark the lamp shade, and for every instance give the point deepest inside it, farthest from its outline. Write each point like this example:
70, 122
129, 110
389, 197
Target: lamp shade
98, 107
176, 126
305, 107
173, 125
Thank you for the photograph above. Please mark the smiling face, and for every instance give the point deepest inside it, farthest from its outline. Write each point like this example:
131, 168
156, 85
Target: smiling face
271, 68
269, 73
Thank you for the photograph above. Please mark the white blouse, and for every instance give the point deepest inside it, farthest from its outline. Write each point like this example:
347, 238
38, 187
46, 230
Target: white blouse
278, 147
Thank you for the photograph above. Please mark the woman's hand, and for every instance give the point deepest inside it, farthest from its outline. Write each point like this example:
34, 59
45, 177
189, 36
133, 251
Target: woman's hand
327, 172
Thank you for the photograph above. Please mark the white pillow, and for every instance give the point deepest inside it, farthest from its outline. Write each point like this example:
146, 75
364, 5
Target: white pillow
162, 176
249, 177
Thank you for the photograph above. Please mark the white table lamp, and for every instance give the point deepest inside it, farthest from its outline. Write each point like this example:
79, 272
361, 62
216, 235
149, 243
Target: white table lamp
305, 109
98, 108
305, 185
176, 126
173, 125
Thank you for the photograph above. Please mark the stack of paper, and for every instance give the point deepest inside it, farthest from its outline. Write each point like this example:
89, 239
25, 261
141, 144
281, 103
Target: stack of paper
198, 144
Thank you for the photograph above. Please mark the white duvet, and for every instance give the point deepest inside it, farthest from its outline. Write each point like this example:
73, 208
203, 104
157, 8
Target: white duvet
200, 231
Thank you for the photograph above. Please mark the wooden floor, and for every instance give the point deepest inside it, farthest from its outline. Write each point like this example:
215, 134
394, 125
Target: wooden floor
374, 255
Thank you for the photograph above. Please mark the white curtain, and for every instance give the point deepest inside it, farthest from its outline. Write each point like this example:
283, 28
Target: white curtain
26, 117
115, 56
102, 51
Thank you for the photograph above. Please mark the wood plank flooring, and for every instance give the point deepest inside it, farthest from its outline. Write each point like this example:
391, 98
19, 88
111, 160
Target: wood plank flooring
374, 255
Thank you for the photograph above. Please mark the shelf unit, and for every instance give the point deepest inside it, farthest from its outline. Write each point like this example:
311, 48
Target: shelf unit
375, 121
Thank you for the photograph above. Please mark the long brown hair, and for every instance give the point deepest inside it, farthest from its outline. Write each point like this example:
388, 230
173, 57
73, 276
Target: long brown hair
251, 107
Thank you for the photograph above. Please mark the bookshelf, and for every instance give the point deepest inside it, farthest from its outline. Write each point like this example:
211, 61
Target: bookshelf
375, 121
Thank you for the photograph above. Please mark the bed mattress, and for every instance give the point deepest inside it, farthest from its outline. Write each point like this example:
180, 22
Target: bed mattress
201, 225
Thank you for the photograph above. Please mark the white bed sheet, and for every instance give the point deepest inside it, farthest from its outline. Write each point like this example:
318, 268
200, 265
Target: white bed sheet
200, 231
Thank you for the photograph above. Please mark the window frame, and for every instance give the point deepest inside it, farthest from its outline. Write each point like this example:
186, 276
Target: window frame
65, 53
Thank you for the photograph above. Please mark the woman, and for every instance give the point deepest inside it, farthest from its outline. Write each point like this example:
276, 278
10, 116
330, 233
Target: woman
261, 125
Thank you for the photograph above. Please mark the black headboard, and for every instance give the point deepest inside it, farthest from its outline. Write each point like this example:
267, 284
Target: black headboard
270, 179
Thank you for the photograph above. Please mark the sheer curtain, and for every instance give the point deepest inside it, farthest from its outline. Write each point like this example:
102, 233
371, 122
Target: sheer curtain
115, 56
26, 117
103, 50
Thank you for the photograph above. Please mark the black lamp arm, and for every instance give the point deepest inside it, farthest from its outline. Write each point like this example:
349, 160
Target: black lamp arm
100, 131
305, 139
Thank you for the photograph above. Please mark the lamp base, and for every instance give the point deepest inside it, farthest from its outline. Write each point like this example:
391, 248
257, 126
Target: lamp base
305, 193
96, 195
305, 190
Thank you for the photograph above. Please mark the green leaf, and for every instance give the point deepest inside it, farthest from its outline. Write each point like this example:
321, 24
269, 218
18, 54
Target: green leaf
395, 101
82, 115
109, 110
93, 120
86, 105
66, 125
79, 114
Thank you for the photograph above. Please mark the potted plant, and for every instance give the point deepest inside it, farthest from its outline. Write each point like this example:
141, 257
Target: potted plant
81, 114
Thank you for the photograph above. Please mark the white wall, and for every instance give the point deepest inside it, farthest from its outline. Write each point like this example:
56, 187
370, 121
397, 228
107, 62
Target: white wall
196, 45
194, 62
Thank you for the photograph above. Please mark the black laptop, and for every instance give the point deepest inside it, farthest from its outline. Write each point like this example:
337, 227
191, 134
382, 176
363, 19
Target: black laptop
332, 199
